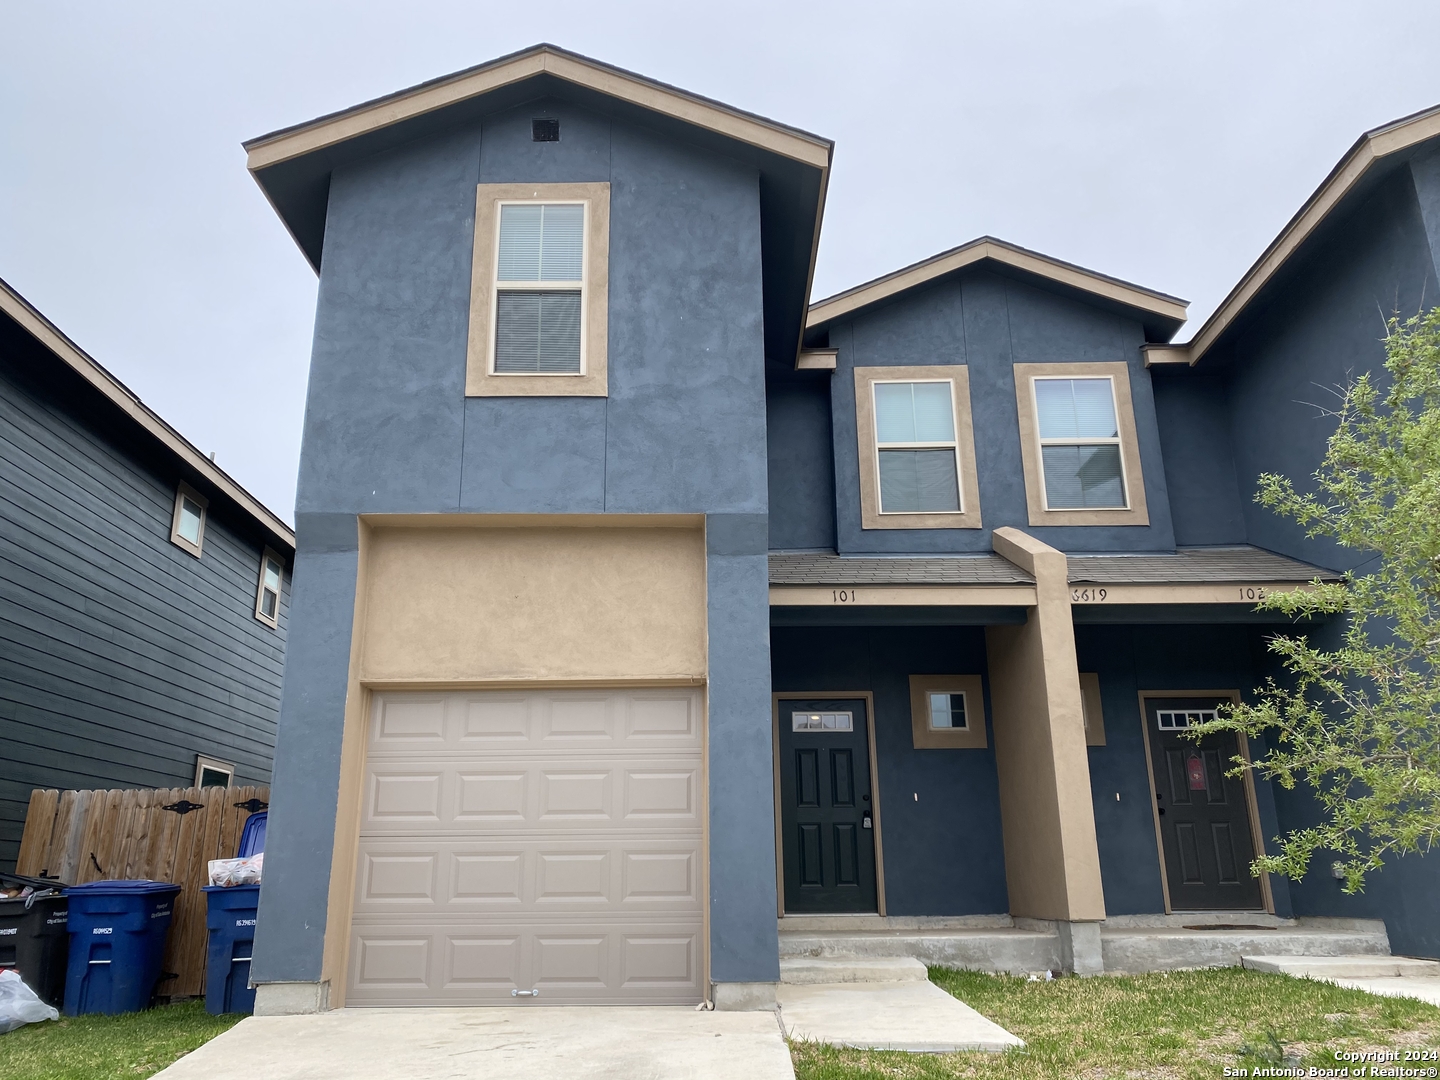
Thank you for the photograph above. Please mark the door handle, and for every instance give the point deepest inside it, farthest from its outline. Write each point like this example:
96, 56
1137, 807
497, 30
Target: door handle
524, 993
865, 822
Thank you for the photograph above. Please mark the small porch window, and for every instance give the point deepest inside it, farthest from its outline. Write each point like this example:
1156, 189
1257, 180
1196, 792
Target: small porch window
947, 712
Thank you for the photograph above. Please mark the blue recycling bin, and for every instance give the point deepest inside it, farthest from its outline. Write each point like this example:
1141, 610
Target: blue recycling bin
230, 916
117, 944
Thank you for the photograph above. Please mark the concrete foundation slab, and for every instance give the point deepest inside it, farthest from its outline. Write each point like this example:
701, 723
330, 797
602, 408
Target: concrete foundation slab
521, 1043
915, 1016
810, 970
981, 949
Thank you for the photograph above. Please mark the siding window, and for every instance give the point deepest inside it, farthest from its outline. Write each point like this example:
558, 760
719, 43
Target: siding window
211, 772
187, 525
915, 444
1078, 444
917, 448
947, 711
267, 595
539, 291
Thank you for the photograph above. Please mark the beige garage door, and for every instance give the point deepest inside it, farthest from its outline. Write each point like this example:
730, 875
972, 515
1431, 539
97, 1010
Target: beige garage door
543, 841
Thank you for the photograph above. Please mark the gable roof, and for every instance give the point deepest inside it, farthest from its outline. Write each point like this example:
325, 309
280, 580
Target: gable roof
67, 352
293, 165
1373, 149
1161, 313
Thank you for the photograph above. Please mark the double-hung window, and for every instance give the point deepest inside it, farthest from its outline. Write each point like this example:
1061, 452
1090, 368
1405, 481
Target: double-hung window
1078, 444
540, 289
917, 449
187, 522
267, 593
915, 445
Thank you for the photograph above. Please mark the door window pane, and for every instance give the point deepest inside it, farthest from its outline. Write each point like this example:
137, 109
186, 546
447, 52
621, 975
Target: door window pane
918, 482
800, 721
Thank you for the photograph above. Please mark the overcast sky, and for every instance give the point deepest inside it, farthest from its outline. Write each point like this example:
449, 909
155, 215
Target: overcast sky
1165, 143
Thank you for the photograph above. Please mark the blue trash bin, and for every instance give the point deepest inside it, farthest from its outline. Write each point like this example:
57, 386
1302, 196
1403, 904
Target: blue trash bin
117, 944
230, 916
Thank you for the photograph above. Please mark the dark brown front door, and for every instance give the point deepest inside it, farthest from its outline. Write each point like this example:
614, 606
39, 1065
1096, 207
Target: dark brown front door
827, 818
1204, 814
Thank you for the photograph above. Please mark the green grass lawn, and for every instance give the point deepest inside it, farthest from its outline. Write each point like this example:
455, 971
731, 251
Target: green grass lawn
132, 1046
1180, 1025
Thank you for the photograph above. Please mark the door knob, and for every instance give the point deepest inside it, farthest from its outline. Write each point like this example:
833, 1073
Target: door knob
865, 821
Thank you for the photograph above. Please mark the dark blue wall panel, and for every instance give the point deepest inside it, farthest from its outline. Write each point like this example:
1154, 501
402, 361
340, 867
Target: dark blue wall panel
1194, 417
122, 656
801, 464
939, 809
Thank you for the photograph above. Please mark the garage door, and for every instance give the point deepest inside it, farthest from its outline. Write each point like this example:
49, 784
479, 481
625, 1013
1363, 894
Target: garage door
546, 841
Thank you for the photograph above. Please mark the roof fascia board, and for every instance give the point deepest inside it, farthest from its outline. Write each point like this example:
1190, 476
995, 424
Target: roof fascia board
1368, 149
329, 131
45, 332
910, 277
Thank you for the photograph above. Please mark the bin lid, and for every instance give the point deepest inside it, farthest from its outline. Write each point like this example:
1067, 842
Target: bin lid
252, 836
140, 885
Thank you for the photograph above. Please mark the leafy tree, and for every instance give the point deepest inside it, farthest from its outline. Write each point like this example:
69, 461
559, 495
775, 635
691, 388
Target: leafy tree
1360, 724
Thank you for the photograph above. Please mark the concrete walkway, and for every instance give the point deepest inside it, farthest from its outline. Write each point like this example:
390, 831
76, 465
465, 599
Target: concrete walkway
620, 1043
1390, 976
915, 1016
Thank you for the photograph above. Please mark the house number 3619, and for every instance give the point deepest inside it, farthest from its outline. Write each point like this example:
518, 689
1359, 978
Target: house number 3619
843, 596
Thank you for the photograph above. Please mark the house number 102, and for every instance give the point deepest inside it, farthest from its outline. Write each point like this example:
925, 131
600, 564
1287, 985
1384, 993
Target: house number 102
844, 596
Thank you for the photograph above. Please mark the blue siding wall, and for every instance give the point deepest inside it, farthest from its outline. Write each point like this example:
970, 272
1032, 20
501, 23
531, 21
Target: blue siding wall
989, 323
121, 656
801, 464
388, 430
1194, 416
939, 809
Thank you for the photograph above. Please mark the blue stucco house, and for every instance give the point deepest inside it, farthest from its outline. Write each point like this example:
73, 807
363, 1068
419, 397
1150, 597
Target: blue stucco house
640, 601
144, 594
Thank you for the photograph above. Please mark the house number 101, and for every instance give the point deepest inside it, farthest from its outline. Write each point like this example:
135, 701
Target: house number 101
844, 596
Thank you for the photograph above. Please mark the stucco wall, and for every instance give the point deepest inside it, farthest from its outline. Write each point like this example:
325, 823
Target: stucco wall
990, 323
388, 430
939, 809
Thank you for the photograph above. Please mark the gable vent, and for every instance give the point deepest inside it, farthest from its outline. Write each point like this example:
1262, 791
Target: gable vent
545, 129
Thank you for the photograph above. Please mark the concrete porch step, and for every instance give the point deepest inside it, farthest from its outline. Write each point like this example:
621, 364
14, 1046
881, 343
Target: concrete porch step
1345, 967
983, 949
815, 970
1134, 950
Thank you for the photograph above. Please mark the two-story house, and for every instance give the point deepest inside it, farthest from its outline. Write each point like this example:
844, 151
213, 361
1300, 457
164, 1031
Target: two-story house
639, 601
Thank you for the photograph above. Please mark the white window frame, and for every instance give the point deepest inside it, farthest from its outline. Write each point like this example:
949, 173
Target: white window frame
269, 556
497, 286
184, 491
202, 763
953, 445
1117, 441
964, 706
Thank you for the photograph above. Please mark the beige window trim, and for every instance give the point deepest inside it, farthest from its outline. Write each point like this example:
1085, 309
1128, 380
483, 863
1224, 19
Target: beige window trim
1090, 707
480, 381
267, 557
1135, 513
205, 764
970, 737
958, 376
184, 491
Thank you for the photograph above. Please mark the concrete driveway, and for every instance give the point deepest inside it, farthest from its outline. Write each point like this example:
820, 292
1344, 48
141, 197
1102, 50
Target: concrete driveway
505, 1043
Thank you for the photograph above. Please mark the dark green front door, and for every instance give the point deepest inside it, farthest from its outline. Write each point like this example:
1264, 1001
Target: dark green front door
1204, 814
827, 818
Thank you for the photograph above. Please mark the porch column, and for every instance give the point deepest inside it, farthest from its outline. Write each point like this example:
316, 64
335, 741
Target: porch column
1052, 862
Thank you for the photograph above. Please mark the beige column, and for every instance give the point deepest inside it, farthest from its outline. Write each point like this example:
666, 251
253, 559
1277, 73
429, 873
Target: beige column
1052, 863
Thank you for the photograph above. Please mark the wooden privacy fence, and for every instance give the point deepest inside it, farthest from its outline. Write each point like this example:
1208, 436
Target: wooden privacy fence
80, 836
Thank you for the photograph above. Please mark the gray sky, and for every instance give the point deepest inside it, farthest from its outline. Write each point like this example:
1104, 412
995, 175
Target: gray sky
1165, 143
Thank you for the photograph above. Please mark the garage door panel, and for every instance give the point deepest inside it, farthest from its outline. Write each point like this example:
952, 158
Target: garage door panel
547, 840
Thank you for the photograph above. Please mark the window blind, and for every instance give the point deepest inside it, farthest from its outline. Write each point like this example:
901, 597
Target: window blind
1080, 444
538, 329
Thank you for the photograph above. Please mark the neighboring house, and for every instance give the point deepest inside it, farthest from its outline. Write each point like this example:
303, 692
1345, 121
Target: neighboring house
144, 595
639, 600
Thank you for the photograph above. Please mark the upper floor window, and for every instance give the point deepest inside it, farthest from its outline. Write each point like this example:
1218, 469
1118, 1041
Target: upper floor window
267, 595
917, 449
1078, 445
539, 291
187, 524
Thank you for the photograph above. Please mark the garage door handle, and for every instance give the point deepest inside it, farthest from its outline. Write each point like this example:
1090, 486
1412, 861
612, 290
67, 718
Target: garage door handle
524, 993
